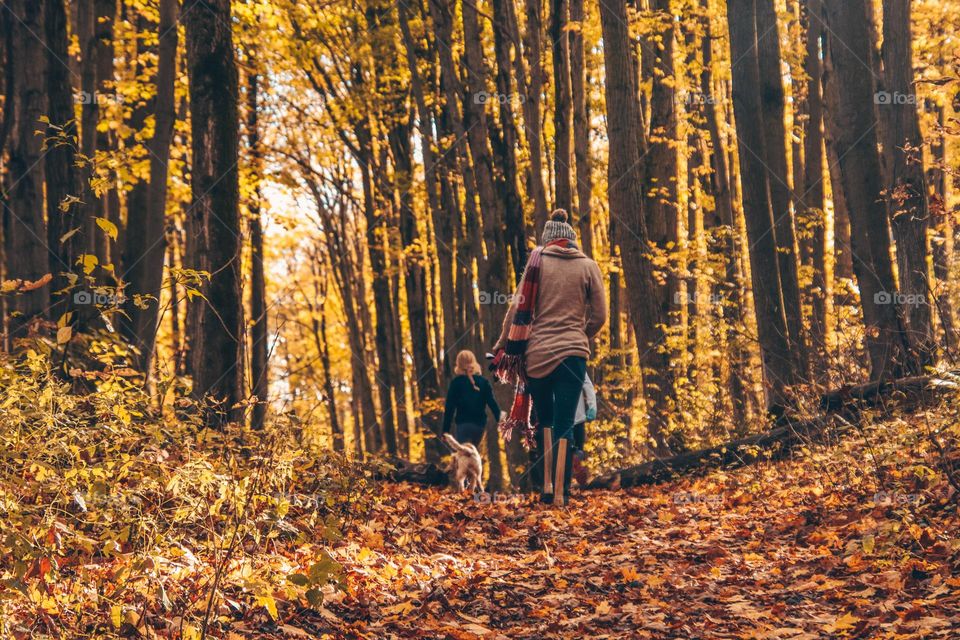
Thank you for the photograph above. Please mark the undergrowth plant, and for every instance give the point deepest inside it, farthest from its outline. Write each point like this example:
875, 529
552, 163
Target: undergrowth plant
188, 525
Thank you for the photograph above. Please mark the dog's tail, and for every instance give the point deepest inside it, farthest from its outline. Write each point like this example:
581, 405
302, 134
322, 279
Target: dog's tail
453, 444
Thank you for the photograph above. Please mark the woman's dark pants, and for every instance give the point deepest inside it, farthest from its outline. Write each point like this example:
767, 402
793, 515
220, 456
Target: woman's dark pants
555, 399
469, 432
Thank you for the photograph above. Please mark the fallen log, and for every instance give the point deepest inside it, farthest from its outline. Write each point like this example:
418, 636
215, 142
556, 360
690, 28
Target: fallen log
426, 473
842, 409
914, 389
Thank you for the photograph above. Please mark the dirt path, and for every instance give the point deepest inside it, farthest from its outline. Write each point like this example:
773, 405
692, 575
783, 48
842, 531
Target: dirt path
766, 553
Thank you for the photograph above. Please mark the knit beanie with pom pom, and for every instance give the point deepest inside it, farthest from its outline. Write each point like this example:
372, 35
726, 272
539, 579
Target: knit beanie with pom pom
557, 227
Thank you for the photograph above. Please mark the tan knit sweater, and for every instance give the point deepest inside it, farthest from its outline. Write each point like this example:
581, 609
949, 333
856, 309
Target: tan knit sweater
571, 308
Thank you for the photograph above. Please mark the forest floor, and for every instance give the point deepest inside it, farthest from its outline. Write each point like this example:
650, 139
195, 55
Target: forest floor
857, 540
151, 532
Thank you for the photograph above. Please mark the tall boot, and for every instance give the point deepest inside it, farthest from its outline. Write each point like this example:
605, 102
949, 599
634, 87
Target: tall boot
561, 479
547, 495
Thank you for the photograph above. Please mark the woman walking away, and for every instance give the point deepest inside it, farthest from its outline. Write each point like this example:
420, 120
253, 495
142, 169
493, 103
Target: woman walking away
468, 397
545, 344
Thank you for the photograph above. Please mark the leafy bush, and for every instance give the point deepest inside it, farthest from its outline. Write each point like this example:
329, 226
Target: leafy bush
115, 517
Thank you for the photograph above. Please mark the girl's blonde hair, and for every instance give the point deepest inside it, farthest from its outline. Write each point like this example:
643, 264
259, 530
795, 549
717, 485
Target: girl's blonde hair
467, 365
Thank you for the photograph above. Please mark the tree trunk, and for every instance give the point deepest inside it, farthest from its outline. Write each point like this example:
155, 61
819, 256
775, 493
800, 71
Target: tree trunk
514, 225
468, 241
259, 366
399, 233
366, 429
661, 165
105, 15
63, 179
146, 237
581, 127
907, 189
842, 248
943, 241
174, 247
813, 199
318, 325
505, 149
625, 192
415, 282
779, 363
93, 239
532, 39
733, 308
25, 233
376, 244
492, 268
137, 196
773, 108
850, 94
562, 105
434, 170
214, 218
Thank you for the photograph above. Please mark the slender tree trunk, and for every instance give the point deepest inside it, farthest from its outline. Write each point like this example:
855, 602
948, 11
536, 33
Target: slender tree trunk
401, 215
259, 367
943, 241
506, 149
377, 254
779, 363
733, 308
137, 197
318, 325
773, 112
532, 39
581, 127
214, 219
25, 232
850, 94
907, 189
626, 204
93, 238
176, 325
492, 268
146, 224
7, 58
63, 178
661, 164
842, 248
562, 105
468, 242
366, 429
813, 200
415, 282
435, 170
105, 15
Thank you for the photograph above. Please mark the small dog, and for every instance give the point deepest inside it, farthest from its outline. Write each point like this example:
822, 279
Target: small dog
467, 465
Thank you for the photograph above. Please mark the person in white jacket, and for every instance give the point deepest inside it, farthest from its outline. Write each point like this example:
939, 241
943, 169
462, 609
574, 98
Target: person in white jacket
586, 410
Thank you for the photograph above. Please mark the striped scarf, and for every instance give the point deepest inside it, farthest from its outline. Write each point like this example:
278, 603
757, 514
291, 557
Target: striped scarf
509, 364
